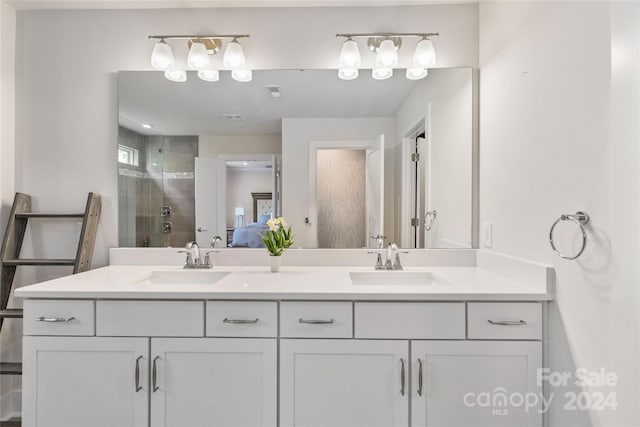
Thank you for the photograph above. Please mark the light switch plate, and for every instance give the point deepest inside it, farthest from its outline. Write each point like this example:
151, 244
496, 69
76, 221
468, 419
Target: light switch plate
487, 237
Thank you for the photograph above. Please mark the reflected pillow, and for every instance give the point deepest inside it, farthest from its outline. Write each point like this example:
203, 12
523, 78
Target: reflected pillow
263, 219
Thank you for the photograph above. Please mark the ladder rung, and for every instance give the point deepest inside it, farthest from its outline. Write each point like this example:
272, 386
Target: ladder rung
39, 262
14, 313
10, 368
49, 215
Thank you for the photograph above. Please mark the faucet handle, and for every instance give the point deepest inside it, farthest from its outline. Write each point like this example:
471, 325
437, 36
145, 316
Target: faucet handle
207, 258
189, 261
379, 265
397, 265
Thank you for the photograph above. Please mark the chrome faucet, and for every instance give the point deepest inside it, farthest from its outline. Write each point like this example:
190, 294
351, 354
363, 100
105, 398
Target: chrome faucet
193, 256
393, 258
214, 240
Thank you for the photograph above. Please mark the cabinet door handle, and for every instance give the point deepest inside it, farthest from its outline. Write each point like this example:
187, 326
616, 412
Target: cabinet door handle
240, 321
138, 386
402, 377
154, 375
55, 319
316, 322
419, 377
507, 322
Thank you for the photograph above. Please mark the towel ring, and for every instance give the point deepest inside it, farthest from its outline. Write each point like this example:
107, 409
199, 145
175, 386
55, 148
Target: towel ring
581, 219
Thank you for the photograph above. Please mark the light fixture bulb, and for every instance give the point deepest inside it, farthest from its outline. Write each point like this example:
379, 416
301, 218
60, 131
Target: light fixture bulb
233, 55
242, 74
209, 75
381, 73
161, 56
176, 75
416, 73
349, 54
387, 55
425, 54
198, 58
348, 73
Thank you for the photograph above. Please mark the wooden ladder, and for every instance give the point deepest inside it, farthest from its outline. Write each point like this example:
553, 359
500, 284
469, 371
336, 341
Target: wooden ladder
12, 243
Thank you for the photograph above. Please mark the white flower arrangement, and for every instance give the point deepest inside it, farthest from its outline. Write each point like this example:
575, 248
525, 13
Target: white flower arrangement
278, 237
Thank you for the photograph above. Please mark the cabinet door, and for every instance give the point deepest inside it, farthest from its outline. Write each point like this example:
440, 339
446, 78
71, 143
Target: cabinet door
85, 382
214, 382
475, 383
348, 383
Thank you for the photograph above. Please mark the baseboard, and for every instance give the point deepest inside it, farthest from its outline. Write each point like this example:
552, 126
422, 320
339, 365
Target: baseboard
11, 405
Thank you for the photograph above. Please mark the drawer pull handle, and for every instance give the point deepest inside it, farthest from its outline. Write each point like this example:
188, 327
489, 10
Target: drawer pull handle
316, 322
138, 386
154, 375
402, 380
55, 319
240, 321
419, 377
507, 322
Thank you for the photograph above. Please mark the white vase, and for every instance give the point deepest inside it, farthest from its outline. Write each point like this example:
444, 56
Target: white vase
275, 263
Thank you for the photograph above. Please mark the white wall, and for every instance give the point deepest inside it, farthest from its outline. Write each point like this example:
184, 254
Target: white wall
240, 185
297, 134
444, 102
553, 141
214, 145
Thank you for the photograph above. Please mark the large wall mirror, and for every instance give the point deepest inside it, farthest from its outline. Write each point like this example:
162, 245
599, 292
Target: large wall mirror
342, 161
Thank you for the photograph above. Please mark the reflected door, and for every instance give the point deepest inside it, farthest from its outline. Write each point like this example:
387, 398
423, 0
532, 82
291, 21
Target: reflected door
210, 195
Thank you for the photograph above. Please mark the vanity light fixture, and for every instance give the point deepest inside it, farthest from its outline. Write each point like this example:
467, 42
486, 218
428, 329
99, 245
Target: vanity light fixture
386, 46
201, 48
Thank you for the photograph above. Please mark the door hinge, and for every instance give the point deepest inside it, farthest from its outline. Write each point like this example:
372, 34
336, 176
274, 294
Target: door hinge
415, 222
415, 157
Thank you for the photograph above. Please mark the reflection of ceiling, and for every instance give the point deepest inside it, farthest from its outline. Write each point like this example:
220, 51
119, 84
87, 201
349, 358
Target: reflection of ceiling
197, 107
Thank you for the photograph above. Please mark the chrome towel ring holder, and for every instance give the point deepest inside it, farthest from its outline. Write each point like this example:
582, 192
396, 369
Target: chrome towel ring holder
581, 219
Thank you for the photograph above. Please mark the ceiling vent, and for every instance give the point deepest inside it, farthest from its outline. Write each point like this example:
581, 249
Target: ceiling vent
274, 91
233, 117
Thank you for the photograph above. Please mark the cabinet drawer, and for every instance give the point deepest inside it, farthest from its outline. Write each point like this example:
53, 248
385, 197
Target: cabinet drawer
316, 319
408, 320
242, 319
150, 318
505, 321
59, 317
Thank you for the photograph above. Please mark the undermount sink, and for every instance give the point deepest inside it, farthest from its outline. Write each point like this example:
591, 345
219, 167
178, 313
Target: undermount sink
412, 278
184, 277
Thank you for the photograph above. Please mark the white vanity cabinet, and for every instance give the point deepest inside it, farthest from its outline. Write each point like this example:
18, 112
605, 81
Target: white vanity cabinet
213, 382
155, 379
188, 363
354, 383
85, 382
475, 383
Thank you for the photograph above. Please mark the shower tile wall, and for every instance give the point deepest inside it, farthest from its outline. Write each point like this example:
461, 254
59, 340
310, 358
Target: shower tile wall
164, 177
178, 184
341, 198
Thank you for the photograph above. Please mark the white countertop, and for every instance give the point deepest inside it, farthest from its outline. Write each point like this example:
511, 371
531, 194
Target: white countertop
291, 283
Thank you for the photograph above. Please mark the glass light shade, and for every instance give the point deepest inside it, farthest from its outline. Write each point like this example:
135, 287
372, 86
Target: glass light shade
242, 74
349, 55
233, 55
198, 58
209, 75
381, 73
176, 75
348, 73
162, 57
387, 55
416, 73
425, 54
